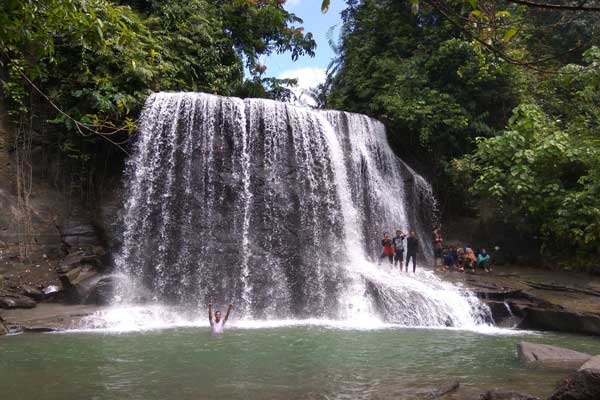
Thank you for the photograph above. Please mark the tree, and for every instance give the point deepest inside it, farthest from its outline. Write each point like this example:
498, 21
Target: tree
435, 90
543, 171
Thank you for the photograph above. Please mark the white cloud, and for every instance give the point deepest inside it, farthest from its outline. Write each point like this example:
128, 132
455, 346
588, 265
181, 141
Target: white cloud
308, 78
292, 3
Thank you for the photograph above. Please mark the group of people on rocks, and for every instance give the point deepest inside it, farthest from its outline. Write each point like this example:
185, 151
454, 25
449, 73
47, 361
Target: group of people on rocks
393, 249
445, 259
458, 258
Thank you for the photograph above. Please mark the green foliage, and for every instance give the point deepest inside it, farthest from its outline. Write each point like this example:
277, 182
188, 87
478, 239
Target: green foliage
543, 171
461, 89
435, 89
98, 60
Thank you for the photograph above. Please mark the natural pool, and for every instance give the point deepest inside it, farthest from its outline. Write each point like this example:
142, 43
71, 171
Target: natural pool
299, 362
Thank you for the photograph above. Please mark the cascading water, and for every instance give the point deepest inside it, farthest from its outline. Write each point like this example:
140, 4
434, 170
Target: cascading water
279, 210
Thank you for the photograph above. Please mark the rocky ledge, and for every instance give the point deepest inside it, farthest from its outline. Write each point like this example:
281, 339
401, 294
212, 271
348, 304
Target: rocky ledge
36, 296
529, 298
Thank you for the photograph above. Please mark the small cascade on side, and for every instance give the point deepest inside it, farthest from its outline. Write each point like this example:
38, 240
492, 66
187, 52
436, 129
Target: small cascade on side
279, 210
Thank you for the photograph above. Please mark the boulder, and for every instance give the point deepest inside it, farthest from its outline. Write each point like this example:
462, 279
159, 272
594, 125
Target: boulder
592, 363
102, 291
551, 356
14, 300
69, 279
583, 384
498, 395
32, 292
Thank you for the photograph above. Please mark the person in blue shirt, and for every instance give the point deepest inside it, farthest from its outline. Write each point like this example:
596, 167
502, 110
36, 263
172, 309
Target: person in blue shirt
483, 261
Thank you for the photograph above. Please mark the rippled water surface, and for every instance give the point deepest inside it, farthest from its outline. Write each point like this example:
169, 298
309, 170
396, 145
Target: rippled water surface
280, 363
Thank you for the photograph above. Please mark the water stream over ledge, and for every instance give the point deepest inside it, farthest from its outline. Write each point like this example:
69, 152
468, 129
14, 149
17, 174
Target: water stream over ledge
278, 210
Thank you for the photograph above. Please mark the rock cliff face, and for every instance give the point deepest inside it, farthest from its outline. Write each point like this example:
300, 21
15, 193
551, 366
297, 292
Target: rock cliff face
37, 235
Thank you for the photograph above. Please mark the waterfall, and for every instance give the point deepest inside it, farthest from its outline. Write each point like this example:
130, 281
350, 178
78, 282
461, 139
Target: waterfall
278, 209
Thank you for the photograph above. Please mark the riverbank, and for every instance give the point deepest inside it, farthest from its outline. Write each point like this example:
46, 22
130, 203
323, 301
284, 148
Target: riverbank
532, 298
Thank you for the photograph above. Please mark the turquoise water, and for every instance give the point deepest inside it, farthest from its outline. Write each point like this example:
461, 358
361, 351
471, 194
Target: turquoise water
279, 363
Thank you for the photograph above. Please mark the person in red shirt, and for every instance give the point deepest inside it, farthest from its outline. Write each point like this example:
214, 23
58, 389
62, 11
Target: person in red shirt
388, 248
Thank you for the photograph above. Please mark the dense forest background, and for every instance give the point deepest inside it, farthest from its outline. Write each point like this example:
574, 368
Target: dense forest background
496, 102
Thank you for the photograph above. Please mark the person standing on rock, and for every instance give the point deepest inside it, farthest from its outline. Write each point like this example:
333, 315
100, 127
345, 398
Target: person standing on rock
218, 324
398, 242
388, 248
412, 249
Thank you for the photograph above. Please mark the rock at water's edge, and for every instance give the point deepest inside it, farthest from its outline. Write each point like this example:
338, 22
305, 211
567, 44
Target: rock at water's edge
16, 301
551, 356
3, 328
558, 320
581, 385
445, 389
496, 395
592, 363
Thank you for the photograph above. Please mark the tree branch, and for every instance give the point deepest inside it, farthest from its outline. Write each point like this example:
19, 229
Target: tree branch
558, 7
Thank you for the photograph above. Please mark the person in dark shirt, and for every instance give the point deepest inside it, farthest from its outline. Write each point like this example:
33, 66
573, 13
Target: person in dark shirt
412, 249
438, 248
388, 248
398, 242
450, 259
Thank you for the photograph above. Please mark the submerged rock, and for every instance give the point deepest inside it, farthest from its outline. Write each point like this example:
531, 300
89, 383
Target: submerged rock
447, 388
551, 356
581, 385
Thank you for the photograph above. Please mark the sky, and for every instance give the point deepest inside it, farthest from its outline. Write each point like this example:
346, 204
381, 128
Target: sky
310, 71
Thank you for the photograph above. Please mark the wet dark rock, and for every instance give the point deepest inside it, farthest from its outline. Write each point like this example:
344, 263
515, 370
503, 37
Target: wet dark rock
551, 356
14, 300
592, 363
102, 291
39, 329
498, 395
500, 294
557, 320
32, 292
502, 314
581, 385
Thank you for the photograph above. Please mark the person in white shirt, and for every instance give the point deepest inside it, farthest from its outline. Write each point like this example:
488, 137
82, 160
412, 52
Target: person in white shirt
217, 324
